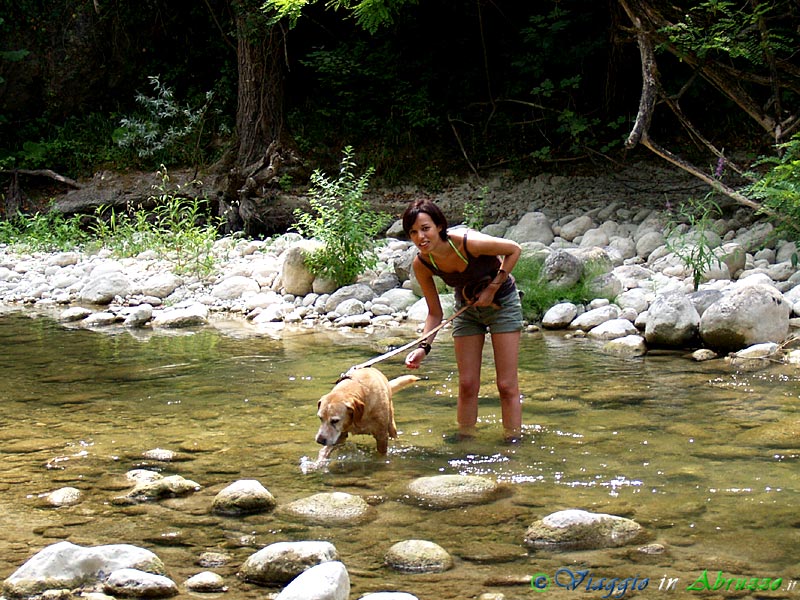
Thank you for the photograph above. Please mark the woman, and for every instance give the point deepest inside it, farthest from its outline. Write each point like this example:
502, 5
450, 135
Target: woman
479, 267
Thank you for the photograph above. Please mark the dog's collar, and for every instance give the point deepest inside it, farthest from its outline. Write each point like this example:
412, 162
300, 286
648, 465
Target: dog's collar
343, 376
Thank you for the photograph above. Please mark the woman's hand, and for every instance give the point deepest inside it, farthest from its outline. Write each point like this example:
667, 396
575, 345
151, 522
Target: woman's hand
415, 358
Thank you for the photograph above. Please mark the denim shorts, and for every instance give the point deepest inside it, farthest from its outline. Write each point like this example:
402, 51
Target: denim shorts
478, 320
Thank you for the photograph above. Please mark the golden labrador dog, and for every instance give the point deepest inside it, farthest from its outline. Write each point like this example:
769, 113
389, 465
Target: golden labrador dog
361, 402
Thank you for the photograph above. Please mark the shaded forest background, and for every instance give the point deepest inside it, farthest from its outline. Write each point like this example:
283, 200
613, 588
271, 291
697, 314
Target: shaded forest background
422, 91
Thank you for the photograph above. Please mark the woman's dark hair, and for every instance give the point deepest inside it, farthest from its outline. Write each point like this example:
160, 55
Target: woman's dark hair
423, 205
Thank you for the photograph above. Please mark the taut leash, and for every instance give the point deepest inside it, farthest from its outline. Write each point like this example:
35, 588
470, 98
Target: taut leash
391, 353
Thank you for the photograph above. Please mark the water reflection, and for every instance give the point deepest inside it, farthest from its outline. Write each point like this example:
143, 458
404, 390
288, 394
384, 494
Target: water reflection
702, 456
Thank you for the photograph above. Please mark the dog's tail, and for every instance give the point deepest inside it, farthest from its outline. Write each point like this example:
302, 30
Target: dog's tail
402, 382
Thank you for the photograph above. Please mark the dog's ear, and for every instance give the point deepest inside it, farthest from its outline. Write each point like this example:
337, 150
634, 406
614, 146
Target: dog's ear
357, 406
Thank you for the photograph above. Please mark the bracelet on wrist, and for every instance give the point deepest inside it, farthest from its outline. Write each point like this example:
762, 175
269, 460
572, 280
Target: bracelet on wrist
425, 346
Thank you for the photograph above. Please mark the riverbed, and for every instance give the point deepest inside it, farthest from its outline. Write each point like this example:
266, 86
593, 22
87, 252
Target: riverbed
701, 454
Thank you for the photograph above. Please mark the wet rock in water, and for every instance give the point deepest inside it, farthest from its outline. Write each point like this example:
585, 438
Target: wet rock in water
389, 596
190, 316
245, 496
560, 315
74, 313
207, 582
327, 581
330, 507
66, 496
160, 454
581, 530
142, 475
628, 346
283, 561
673, 321
67, 565
704, 354
139, 584
165, 487
418, 556
211, 560
781, 434
449, 491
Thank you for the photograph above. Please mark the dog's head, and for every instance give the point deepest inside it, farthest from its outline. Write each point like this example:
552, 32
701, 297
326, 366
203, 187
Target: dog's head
337, 414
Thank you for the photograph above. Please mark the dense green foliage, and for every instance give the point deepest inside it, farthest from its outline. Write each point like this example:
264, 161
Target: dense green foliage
178, 229
343, 221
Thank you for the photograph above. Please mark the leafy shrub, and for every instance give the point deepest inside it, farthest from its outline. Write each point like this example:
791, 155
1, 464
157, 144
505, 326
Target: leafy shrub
165, 130
44, 232
343, 220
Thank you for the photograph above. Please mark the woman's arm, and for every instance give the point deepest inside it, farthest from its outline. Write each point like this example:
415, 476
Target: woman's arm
435, 312
509, 252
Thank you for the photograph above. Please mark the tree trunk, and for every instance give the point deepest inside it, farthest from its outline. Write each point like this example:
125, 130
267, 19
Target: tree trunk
263, 146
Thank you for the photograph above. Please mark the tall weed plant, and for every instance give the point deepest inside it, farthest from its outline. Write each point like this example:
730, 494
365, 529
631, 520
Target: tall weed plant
342, 219
694, 247
178, 228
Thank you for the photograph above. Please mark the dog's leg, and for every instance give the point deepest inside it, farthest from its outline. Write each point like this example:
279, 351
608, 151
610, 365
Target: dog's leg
383, 444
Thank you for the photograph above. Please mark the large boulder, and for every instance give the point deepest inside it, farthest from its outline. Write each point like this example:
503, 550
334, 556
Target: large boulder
245, 496
581, 530
65, 565
296, 277
748, 315
326, 581
283, 561
672, 320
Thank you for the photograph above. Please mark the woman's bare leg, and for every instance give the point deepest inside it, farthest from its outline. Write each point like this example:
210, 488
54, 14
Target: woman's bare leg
469, 352
506, 362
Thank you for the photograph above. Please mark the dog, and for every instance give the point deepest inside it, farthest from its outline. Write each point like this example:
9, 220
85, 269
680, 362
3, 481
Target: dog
360, 403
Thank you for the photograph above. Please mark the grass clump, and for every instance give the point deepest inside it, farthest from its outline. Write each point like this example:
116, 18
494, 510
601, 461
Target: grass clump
44, 232
539, 294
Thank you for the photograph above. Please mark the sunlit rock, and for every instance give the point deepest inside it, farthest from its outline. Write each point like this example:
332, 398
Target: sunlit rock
206, 582
67, 565
245, 496
66, 496
167, 487
448, 491
327, 581
139, 584
672, 321
581, 530
331, 508
747, 315
418, 556
559, 316
283, 561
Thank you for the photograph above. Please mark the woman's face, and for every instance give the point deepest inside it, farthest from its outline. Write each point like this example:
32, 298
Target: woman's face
424, 232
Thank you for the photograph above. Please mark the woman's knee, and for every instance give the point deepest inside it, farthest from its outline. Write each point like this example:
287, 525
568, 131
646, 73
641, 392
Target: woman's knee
508, 389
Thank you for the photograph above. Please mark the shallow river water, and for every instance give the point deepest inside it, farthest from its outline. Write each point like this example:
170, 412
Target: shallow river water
704, 457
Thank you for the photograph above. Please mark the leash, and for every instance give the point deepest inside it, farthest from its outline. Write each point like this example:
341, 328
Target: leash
391, 353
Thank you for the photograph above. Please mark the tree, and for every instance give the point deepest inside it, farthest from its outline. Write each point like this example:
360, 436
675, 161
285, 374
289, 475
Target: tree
744, 50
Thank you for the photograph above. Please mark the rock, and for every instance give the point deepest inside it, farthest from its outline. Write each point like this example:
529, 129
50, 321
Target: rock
581, 530
330, 508
283, 561
628, 346
245, 496
139, 584
532, 227
74, 313
704, 354
235, 287
66, 496
65, 565
327, 581
576, 227
358, 291
418, 556
206, 582
562, 269
296, 277
165, 487
104, 287
389, 596
749, 314
449, 491
161, 285
613, 329
593, 318
196, 314
559, 316
672, 321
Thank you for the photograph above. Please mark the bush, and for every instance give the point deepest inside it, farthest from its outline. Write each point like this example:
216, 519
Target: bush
343, 220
